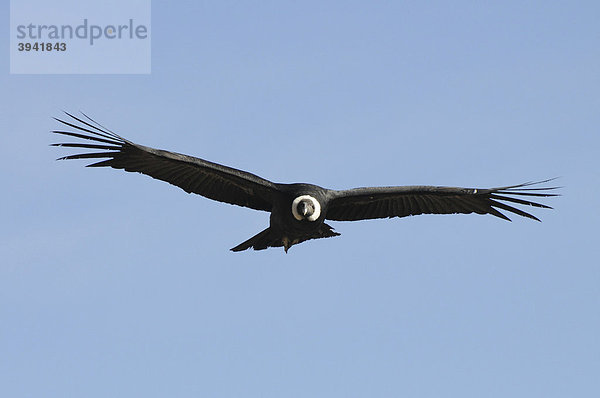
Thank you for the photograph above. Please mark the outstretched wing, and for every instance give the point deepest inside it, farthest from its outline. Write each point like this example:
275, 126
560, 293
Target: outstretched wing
191, 174
387, 202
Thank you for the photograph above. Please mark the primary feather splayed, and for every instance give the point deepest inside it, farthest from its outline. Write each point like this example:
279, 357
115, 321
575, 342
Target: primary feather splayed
298, 211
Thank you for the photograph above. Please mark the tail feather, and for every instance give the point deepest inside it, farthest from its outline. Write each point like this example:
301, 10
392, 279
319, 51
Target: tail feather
260, 241
269, 238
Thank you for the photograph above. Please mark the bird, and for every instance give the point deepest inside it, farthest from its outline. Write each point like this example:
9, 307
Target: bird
298, 211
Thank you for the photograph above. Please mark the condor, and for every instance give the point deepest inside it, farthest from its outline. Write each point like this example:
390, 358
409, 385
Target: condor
298, 211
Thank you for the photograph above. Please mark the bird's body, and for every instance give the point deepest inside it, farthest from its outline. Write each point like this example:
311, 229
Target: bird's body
286, 228
298, 211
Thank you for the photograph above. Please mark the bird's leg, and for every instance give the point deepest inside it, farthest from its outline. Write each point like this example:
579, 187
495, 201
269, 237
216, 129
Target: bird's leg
286, 243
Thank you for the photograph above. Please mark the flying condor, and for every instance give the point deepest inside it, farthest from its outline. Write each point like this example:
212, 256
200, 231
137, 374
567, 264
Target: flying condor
298, 211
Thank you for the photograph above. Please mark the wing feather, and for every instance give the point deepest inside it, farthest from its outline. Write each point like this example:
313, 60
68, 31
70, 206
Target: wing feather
193, 175
383, 202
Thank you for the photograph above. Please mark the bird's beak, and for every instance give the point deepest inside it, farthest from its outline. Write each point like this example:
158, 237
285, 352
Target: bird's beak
303, 209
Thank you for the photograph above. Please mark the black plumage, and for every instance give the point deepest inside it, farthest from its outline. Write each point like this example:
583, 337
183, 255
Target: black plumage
298, 211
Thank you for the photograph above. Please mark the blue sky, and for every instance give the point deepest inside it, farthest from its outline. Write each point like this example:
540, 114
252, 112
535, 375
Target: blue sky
114, 284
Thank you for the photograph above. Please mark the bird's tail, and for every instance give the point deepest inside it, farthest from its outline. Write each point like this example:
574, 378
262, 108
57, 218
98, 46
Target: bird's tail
270, 238
260, 241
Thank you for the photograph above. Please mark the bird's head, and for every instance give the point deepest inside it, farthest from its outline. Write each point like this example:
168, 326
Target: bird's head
306, 207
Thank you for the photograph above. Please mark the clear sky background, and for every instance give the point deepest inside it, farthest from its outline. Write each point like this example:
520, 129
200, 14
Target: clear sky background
116, 285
